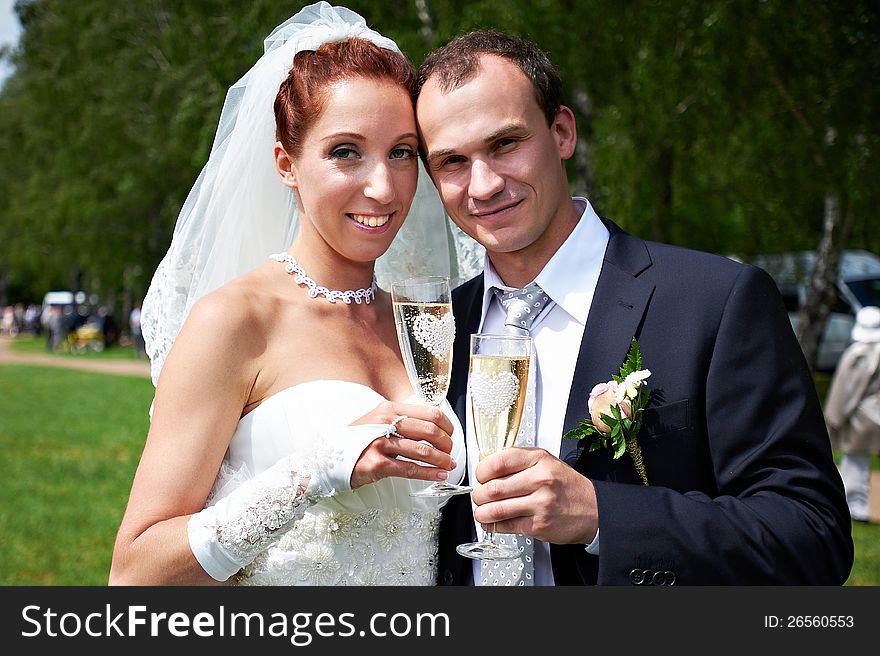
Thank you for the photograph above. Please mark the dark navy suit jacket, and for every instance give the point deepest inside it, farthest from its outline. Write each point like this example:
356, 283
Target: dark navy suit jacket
743, 489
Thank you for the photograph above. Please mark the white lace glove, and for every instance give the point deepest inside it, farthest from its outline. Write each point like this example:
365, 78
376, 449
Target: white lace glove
229, 534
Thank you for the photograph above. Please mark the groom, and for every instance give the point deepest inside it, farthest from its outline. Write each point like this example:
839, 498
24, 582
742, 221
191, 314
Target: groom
743, 489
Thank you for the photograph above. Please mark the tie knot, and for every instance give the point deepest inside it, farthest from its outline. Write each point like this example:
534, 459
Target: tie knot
522, 306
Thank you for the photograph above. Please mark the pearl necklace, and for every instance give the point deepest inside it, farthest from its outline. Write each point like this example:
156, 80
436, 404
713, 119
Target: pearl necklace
293, 268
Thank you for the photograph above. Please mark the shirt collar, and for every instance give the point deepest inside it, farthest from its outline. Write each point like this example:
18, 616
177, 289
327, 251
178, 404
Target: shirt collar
571, 275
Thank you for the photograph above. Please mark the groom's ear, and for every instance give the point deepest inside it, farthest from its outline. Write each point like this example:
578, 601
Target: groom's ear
284, 166
564, 132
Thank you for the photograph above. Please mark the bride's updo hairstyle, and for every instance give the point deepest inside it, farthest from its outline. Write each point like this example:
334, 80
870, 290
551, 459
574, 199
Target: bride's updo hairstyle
301, 96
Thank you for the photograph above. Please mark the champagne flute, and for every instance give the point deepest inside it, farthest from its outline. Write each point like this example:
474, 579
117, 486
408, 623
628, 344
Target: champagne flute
499, 369
426, 329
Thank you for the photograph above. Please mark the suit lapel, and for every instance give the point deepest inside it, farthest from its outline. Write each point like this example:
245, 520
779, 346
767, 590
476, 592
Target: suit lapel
467, 306
615, 317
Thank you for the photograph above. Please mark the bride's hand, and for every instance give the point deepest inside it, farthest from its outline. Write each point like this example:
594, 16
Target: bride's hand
426, 432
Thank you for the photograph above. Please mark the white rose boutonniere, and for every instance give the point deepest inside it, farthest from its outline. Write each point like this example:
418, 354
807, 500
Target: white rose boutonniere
616, 412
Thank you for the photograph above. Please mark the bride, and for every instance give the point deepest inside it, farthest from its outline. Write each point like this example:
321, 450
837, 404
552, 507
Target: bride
285, 437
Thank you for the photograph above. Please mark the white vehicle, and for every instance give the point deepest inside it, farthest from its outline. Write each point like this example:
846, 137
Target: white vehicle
55, 298
58, 298
858, 285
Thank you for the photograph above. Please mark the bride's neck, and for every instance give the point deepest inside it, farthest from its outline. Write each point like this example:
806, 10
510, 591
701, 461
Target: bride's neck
331, 270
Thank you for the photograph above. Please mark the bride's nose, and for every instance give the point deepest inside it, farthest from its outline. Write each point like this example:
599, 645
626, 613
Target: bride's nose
379, 184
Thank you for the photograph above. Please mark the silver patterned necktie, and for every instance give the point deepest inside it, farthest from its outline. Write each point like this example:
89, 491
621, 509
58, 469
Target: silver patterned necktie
522, 306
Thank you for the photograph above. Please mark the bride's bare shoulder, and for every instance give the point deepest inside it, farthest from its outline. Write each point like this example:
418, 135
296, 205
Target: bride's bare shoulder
239, 309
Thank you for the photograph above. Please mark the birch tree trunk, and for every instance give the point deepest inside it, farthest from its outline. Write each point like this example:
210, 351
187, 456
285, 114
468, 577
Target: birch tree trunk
822, 294
423, 11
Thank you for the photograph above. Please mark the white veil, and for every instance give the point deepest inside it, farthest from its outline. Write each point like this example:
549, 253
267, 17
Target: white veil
238, 212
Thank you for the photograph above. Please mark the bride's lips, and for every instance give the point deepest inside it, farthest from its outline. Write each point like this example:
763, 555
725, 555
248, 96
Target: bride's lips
372, 223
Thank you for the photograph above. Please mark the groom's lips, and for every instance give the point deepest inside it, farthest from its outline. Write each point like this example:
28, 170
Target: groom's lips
495, 213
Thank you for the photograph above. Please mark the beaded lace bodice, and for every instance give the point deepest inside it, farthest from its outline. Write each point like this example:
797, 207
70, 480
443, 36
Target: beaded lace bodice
375, 535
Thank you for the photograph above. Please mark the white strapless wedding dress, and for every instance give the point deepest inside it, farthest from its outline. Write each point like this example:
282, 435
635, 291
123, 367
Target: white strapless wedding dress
375, 535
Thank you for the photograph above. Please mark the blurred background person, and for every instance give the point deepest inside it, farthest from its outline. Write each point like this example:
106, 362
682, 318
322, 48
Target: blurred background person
54, 328
134, 324
852, 410
32, 319
7, 326
107, 325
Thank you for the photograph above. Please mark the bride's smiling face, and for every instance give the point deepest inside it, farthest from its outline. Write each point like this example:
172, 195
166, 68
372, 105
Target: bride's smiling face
356, 172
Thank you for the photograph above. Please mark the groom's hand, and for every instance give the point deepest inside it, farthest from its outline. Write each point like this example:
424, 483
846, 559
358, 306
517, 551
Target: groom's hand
529, 492
419, 451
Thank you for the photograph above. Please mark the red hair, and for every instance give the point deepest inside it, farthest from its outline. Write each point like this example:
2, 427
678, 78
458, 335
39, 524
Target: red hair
301, 97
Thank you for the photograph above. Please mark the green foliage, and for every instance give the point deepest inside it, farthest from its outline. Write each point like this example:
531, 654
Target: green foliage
711, 124
716, 136
110, 115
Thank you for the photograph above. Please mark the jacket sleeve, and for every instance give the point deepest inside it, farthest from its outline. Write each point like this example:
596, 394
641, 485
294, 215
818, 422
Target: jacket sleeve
779, 515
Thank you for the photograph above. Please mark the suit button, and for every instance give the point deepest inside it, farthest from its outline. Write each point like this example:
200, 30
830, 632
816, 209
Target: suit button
637, 576
659, 578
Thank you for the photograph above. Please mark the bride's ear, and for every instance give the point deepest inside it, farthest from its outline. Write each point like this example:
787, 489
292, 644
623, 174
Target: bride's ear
284, 166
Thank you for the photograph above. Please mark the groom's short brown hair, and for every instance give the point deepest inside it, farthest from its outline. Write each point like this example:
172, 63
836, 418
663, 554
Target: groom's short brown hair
457, 62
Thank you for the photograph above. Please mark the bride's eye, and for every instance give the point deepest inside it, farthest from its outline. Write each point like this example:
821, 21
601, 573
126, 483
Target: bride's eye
344, 152
403, 152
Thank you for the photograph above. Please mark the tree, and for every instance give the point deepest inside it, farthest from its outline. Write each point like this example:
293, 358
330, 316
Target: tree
702, 123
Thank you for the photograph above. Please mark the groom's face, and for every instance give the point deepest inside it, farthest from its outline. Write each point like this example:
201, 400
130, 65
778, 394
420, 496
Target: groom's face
497, 164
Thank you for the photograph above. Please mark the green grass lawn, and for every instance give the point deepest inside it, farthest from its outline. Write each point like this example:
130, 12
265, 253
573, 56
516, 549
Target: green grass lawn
36, 345
866, 568
71, 441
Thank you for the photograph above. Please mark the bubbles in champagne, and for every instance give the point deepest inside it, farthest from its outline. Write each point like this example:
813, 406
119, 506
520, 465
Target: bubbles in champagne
426, 332
498, 393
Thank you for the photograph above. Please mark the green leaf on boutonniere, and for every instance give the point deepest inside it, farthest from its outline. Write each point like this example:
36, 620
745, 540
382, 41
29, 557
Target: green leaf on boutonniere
582, 431
633, 359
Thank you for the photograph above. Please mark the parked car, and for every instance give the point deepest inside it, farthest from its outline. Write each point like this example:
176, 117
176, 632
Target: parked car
858, 285
60, 299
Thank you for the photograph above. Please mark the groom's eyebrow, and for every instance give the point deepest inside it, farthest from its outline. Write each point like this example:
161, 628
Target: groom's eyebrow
501, 133
506, 131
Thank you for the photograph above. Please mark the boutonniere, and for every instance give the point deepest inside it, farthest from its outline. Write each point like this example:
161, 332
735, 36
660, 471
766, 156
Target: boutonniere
616, 409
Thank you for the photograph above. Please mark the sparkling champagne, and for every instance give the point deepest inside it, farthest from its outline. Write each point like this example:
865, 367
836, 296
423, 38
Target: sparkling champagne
498, 395
426, 332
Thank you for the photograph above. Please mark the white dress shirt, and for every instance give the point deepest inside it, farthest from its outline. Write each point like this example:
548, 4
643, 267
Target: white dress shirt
570, 279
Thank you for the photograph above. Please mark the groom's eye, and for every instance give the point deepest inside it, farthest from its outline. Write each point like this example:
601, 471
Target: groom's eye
452, 160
